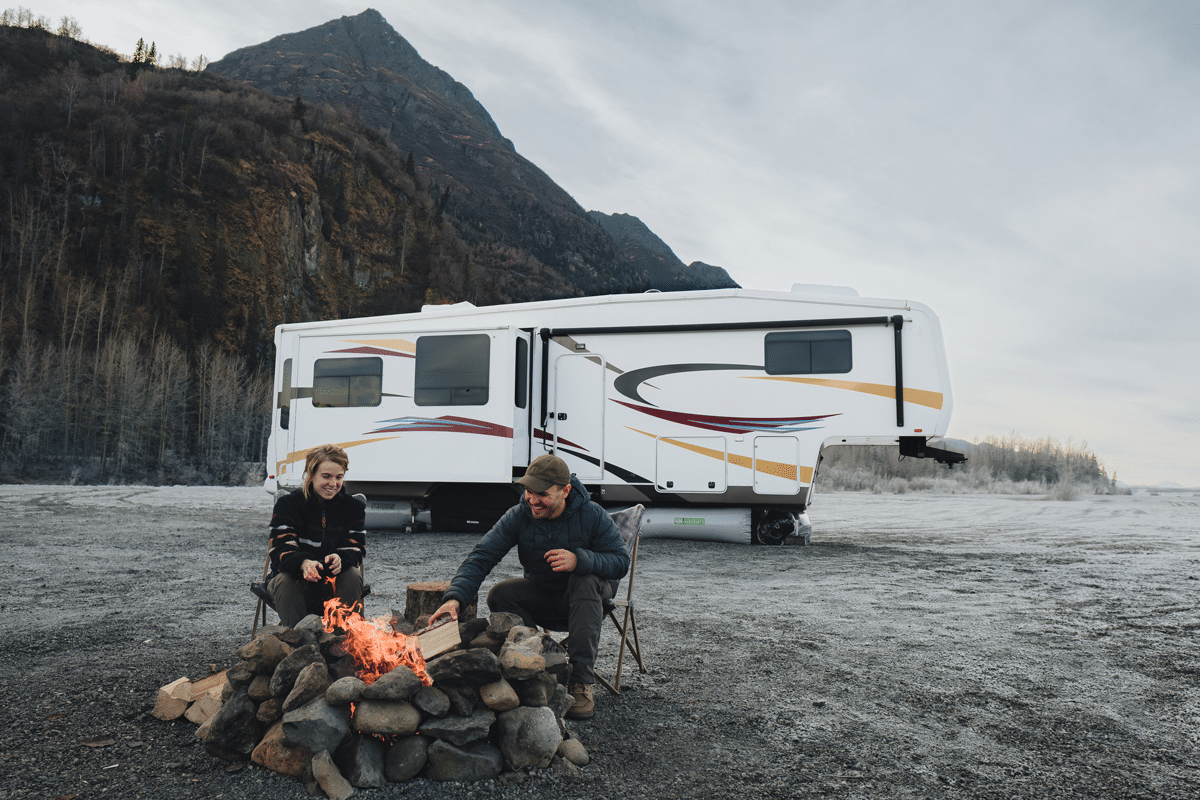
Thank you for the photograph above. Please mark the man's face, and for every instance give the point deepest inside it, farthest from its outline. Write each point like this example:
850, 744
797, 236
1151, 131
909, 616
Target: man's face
548, 504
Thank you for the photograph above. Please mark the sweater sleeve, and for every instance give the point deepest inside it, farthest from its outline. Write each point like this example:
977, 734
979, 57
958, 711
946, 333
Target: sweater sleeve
284, 548
354, 548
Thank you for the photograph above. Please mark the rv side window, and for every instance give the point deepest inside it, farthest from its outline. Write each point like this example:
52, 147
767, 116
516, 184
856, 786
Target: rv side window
284, 401
807, 352
341, 382
522, 379
452, 370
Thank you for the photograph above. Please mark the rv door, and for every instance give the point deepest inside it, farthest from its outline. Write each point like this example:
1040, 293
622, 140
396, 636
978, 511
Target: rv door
577, 420
522, 401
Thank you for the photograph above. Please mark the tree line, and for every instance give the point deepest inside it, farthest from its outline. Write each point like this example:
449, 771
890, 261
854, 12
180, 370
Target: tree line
1005, 465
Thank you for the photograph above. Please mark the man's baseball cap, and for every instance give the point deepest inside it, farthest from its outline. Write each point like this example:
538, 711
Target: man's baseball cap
544, 472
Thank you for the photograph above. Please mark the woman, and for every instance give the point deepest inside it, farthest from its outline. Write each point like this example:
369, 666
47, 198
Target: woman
318, 532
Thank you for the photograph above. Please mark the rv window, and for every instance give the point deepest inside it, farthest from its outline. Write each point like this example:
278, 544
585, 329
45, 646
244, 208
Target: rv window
807, 352
452, 370
284, 402
522, 379
341, 382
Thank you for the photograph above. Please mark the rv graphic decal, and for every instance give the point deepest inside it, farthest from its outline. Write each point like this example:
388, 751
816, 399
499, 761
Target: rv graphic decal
919, 396
442, 425
734, 424
788, 471
298, 456
394, 347
628, 383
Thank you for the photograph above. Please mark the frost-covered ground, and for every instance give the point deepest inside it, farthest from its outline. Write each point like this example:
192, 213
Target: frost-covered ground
922, 646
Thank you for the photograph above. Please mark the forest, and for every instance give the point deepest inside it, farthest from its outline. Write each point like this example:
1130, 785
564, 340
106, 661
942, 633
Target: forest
156, 223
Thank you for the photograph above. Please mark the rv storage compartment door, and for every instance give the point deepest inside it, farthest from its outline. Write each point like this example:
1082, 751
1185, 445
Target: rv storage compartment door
578, 419
691, 464
775, 459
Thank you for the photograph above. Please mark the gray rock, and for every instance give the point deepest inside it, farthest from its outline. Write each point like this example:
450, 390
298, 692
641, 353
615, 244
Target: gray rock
260, 688
537, 691
344, 691
290, 668
574, 751
312, 682
529, 737
500, 623
312, 623
270, 710
460, 730
399, 684
463, 700
474, 668
360, 760
558, 665
477, 761
432, 701
500, 696
317, 726
562, 701
264, 653
235, 729
386, 717
332, 782
563, 768
519, 662
406, 758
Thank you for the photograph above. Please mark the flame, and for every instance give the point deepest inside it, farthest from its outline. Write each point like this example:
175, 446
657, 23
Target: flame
374, 645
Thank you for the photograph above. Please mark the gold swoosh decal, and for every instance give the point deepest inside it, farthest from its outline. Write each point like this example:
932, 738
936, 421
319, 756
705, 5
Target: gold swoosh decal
300, 455
921, 397
776, 468
403, 345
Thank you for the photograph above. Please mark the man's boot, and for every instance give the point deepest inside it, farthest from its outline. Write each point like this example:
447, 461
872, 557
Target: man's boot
584, 706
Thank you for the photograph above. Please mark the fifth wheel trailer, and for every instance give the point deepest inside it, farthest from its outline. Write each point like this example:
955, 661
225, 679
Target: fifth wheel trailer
700, 405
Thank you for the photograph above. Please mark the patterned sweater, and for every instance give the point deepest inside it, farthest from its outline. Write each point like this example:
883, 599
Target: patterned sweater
312, 529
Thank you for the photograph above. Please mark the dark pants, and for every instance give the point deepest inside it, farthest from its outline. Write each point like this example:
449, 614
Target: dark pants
295, 598
579, 611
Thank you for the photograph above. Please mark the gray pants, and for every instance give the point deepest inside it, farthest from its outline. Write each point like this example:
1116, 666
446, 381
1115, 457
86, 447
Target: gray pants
579, 611
296, 598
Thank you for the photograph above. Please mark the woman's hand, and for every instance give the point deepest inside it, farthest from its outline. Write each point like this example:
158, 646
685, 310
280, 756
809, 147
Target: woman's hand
334, 563
310, 570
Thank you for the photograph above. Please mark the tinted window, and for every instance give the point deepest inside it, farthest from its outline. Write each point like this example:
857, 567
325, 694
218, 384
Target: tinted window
341, 382
452, 370
807, 352
522, 379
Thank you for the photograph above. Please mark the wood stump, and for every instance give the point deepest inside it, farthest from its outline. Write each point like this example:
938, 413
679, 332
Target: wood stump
424, 598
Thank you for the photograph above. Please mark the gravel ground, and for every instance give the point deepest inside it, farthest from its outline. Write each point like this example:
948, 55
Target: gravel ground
922, 646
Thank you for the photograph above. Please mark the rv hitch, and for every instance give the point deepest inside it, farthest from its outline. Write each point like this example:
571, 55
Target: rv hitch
918, 447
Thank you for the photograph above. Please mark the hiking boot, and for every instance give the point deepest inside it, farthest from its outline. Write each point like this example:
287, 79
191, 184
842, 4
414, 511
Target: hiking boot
584, 706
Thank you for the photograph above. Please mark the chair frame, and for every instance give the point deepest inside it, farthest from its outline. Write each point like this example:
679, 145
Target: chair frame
628, 623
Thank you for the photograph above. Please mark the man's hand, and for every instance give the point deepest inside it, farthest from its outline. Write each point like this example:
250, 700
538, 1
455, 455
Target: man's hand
310, 570
450, 607
561, 560
333, 563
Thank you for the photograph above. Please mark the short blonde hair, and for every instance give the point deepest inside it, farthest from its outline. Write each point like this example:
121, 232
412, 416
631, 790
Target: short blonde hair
318, 456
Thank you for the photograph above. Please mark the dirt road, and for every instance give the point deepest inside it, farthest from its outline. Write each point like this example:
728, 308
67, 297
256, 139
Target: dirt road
922, 646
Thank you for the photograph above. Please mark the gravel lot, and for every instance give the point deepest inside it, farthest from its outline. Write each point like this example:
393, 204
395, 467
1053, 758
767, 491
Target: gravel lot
922, 646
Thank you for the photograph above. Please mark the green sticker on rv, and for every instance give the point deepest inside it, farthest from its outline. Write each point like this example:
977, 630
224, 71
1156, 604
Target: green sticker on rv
689, 520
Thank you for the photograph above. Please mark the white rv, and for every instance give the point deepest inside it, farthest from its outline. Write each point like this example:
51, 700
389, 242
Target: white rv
706, 406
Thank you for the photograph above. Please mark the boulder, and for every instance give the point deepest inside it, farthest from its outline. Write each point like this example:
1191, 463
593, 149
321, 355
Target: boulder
406, 758
459, 730
529, 737
317, 726
386, 717
478, 761
360, 760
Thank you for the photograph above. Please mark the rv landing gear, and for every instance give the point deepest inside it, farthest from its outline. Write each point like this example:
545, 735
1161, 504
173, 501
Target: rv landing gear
770, 525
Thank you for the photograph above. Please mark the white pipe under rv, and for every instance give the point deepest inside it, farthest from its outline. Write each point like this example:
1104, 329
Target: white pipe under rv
704, 400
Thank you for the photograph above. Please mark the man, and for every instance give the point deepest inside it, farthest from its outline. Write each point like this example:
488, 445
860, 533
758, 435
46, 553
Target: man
573, 557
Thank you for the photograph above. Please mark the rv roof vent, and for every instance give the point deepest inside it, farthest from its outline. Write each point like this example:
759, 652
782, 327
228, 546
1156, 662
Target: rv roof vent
447, 307
817, 288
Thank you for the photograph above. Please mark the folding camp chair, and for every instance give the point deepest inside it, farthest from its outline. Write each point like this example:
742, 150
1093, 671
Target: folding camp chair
629, 524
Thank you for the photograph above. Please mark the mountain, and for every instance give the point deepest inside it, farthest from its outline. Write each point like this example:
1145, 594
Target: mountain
529, 239
650, 256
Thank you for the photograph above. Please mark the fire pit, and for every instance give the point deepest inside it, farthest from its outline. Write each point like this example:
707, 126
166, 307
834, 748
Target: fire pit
346, 702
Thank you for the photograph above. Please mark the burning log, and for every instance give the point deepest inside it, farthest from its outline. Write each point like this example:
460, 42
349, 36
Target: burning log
466, 714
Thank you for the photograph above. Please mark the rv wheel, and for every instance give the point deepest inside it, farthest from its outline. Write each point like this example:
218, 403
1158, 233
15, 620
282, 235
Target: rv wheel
772, 525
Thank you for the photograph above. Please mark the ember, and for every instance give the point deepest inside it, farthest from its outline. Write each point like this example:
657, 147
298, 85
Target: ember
374, 645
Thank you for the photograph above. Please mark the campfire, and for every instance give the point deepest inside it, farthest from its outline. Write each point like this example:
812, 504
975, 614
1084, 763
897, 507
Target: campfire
342, 701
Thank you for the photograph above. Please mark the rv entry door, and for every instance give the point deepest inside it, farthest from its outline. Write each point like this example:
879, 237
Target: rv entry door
578, 418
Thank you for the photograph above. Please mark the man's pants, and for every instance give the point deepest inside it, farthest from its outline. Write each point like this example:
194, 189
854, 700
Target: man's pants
297, 598
579, 611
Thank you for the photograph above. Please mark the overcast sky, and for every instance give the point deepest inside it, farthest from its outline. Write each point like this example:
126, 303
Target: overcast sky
1027, 169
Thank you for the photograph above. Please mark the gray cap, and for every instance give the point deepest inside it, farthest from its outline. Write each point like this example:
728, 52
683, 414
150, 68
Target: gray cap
544, 472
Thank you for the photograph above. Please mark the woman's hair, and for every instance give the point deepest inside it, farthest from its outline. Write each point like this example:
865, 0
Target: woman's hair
319, 455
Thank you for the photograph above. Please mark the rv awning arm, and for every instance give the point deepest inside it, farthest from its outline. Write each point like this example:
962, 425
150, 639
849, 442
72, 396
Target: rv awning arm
897, 321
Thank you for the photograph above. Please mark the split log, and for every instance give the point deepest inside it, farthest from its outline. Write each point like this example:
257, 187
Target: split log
173, 699
422, 599
203, 708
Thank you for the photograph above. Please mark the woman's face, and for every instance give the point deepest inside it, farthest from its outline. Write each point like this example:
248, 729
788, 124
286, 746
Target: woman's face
327, 481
